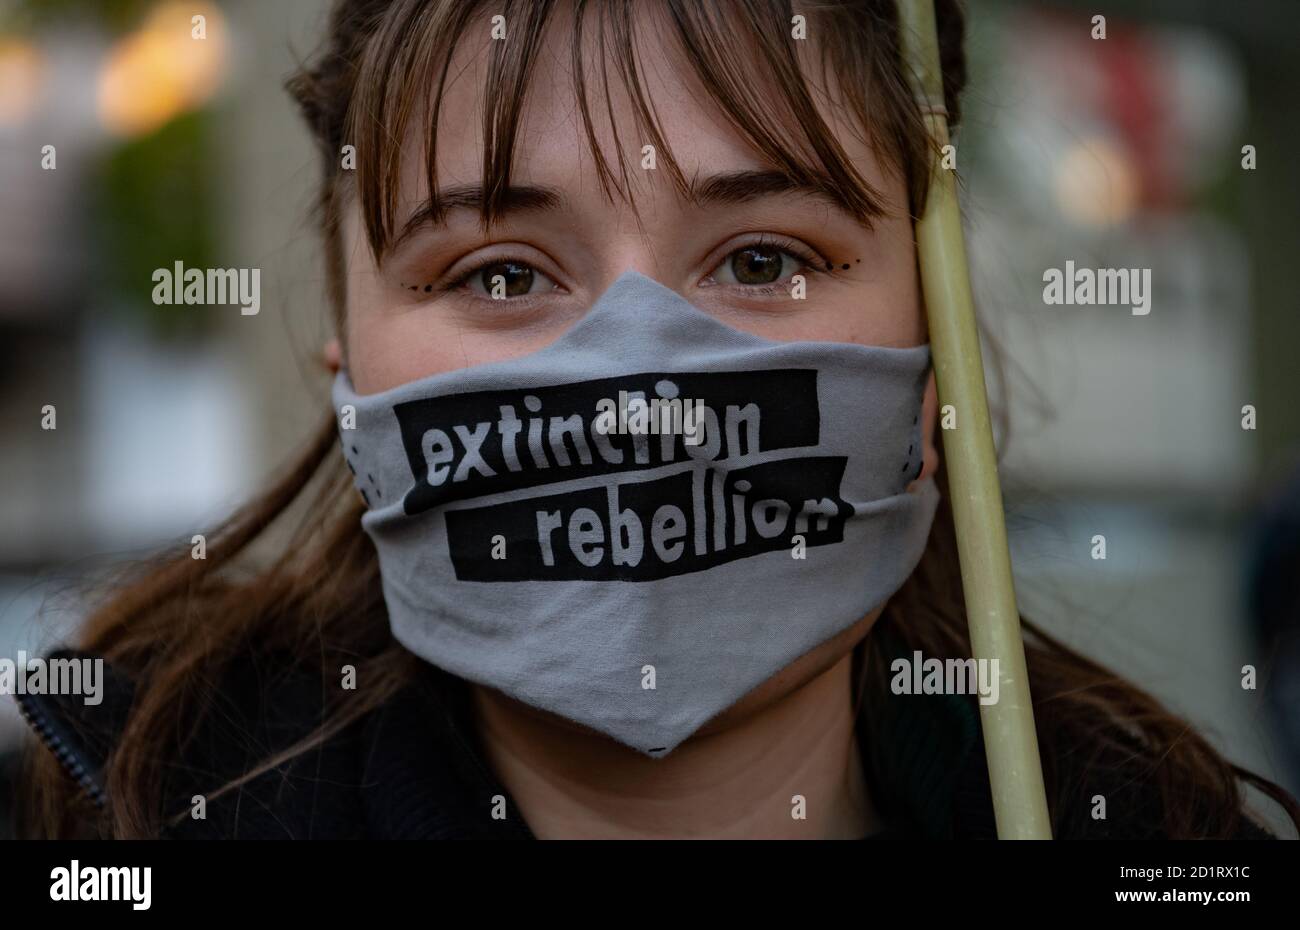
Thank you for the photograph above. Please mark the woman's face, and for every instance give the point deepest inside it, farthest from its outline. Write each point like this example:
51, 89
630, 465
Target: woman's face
730, 249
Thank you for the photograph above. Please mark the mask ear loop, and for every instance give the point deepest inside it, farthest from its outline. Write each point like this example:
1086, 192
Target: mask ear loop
1010, 742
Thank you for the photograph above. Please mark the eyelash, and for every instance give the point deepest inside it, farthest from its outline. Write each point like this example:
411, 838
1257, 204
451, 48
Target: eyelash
810, 261
462, 279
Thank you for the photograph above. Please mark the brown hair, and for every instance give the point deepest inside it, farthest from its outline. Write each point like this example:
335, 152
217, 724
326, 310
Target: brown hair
178, 625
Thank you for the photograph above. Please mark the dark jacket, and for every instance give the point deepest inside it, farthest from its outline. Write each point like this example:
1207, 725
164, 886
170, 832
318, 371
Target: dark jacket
413, 768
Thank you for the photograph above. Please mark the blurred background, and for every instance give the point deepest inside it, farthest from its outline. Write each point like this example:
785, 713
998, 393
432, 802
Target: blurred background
1125, 153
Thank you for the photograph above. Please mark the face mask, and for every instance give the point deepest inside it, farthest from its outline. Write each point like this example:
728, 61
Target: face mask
640, 523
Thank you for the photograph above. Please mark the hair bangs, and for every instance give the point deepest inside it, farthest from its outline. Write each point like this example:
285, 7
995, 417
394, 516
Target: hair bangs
758, 86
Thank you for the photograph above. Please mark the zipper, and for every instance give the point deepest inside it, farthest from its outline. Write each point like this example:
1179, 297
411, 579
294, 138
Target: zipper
65, 753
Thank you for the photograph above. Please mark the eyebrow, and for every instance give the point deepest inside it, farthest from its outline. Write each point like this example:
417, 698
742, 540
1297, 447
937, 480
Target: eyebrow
727, 188
514, 199
735, 187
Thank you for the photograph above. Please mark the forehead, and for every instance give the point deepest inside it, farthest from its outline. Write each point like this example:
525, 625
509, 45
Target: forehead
558, 145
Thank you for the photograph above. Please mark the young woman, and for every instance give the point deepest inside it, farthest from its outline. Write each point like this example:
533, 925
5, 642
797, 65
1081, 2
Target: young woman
528, 635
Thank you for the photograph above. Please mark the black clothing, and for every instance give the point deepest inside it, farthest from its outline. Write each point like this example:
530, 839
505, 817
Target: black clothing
413, 767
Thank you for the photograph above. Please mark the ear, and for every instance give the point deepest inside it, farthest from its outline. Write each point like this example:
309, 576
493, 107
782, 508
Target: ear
333, 356
929, 423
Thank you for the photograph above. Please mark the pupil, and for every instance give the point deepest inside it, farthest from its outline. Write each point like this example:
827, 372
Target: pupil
518, 278
756, 264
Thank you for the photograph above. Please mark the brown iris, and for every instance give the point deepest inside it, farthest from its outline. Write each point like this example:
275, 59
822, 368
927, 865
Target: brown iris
518, 278
756, 264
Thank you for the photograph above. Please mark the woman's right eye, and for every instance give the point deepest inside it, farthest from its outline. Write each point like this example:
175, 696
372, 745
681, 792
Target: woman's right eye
504, 279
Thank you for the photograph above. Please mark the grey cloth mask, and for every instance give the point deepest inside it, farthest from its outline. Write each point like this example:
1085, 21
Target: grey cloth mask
535, 536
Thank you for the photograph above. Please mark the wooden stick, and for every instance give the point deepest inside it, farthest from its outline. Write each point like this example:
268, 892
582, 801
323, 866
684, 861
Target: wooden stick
1010, 742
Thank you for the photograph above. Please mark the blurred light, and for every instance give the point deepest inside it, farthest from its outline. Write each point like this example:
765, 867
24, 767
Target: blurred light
21, 69
161, 70
1095, 184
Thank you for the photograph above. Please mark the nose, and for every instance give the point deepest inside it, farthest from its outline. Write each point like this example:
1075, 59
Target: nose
640, 255
641, 230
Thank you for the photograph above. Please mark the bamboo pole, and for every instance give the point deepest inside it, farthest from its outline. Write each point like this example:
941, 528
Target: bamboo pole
1011, 745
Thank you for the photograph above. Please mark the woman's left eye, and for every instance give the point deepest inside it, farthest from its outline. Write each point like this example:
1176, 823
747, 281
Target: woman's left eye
758, 264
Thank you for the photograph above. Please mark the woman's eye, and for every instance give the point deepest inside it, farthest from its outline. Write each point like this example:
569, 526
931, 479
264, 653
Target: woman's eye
506, 279
757, 265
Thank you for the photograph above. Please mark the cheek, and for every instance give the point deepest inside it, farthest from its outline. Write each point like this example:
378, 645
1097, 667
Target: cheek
390, 340
390, 347
879, 312
929, 416
876, 301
